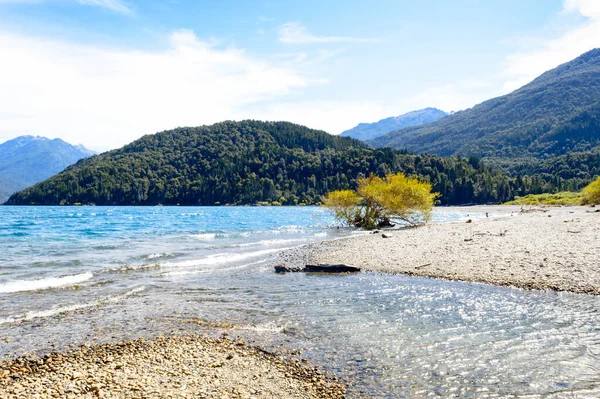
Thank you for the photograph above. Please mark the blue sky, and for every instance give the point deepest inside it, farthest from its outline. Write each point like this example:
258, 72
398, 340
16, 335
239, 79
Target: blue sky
105, 72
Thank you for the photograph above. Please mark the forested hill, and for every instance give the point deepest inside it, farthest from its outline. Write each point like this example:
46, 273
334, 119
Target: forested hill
556, 113
249, 162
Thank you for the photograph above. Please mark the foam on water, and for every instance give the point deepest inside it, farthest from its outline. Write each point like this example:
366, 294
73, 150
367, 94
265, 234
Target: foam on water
222, 258
212, 270
35, 314
45, 283
157, 256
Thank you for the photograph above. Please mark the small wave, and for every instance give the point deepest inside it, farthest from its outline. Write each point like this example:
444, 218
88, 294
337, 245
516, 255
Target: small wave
270, 243
70, 308
192, 272
157, 256
107, 246
205, 236
222, 258
265, 327
132, 268
45, 283
209, 236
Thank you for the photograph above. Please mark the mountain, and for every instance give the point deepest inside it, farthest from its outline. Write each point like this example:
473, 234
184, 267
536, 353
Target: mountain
27, 160
370, 131
250, 162
557, 113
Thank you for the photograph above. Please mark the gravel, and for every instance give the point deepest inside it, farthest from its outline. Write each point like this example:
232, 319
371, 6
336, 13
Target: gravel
165, 367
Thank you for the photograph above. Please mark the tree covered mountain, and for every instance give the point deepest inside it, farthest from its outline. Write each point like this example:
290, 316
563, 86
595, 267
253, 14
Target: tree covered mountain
557, 113
251, 161
27, 160
370, 131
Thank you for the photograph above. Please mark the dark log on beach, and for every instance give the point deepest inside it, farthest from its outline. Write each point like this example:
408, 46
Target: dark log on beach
325, 268
321, 268
287, 269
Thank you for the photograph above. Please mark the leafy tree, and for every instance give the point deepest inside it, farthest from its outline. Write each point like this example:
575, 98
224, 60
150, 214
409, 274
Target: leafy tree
378, 199
591, 193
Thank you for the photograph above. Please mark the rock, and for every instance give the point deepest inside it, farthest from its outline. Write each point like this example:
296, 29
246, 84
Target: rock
386, 235
469, 221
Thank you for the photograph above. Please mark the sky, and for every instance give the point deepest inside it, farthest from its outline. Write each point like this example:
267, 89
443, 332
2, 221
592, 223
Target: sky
103, 73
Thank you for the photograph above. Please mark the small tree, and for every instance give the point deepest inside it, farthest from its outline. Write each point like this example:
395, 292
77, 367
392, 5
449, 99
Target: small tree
591, 193
377, 200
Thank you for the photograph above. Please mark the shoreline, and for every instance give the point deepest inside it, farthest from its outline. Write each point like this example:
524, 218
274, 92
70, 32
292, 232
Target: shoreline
549, 248
201, 366
187, 366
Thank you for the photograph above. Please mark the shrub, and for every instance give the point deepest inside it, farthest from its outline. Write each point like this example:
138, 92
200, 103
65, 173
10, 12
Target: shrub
561, 198
591, 193
377, 200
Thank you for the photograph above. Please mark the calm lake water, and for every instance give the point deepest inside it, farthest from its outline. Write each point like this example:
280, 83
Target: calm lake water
73, 275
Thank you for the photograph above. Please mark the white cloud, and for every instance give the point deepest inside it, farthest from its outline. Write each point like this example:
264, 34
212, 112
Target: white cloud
523, 67
587, 8
114, 5
108, 97
296, 33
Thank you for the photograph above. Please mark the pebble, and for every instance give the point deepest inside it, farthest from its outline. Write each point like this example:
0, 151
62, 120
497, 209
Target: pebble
162, 368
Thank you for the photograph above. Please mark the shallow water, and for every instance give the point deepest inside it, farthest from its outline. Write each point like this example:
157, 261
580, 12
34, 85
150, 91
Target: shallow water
93, 274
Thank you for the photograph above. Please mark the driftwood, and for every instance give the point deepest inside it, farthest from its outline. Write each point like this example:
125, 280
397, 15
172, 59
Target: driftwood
325, 268
422, 266
287, 269
320, 268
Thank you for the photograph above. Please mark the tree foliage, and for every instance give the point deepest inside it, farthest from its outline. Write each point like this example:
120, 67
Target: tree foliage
591, 193
377, 200
345, 204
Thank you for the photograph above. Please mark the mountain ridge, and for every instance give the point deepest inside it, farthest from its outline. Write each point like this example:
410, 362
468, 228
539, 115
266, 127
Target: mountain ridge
26, 160
369, 131
519, 124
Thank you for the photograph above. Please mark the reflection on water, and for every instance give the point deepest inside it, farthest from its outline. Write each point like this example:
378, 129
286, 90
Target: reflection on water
394, 336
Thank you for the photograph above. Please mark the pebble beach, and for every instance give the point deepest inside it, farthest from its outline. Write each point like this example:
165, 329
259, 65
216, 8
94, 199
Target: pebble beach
174, 367
551, 248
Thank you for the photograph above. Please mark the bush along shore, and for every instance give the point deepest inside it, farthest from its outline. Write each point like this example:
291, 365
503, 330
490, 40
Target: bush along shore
177, 367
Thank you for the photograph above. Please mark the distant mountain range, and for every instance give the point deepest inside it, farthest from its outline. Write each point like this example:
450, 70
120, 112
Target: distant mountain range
555, 114
27, 160
251, 162
370, 131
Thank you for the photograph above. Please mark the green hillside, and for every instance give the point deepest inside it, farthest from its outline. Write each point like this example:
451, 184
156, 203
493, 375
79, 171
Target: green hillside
555, 114
251, 161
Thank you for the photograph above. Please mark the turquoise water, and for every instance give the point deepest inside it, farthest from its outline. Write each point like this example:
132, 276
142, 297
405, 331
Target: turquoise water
72, 275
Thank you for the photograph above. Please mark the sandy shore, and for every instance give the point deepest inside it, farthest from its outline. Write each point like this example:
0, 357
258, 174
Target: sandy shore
552, 248
176, 367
